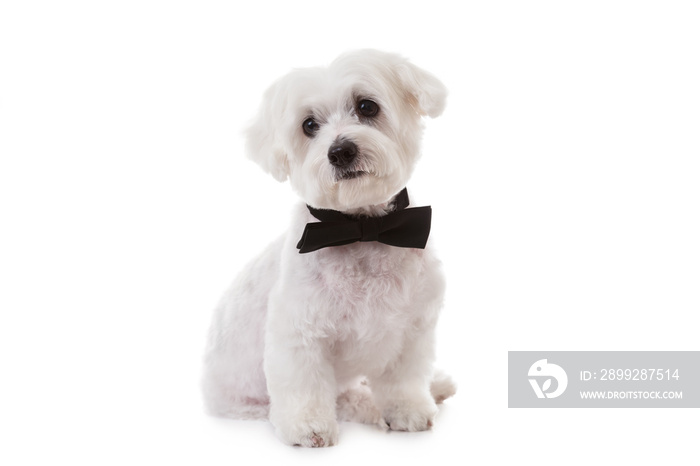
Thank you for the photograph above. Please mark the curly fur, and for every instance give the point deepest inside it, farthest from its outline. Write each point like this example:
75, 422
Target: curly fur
344, 332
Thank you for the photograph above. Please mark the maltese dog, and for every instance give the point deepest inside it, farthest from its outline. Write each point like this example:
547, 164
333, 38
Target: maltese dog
336, 319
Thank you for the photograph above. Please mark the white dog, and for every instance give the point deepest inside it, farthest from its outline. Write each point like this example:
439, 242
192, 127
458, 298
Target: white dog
312, 333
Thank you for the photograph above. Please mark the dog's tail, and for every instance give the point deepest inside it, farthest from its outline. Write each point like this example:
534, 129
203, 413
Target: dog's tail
356, 404
442, 386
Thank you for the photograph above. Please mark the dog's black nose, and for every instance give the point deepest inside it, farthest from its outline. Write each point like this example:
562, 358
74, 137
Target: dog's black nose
342, 153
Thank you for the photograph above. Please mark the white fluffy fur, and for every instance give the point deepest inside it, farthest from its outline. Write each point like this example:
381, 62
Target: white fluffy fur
344, 332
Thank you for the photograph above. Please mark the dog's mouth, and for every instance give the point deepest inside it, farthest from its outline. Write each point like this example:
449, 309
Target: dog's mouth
350, 174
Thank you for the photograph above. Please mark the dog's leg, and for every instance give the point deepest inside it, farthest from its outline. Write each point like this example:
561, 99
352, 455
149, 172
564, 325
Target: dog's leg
402, 391
301, 384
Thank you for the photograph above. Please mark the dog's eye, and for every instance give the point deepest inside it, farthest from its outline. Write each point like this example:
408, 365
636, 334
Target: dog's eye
310, 127
368, 108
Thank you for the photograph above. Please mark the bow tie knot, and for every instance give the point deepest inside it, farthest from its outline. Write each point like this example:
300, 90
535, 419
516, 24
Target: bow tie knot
370, 227
406, 228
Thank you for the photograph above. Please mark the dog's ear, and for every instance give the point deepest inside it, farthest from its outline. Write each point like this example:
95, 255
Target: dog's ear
425, 92
263, 138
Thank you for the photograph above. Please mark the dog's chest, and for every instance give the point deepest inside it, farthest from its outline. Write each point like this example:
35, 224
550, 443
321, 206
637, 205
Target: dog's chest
367, 278
368, 296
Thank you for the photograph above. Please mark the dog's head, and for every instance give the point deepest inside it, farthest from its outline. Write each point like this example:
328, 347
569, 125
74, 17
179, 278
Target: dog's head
347, 136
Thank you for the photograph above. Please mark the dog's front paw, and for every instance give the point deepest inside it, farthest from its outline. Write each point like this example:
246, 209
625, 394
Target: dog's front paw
410, 416
315, 433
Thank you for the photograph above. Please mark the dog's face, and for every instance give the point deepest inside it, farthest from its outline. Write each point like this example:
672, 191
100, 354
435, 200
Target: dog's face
346, 136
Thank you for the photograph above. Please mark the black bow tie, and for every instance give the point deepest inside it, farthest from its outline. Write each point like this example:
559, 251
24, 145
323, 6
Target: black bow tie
405, 228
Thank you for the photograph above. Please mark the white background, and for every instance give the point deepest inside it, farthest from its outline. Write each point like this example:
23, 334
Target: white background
563, 177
